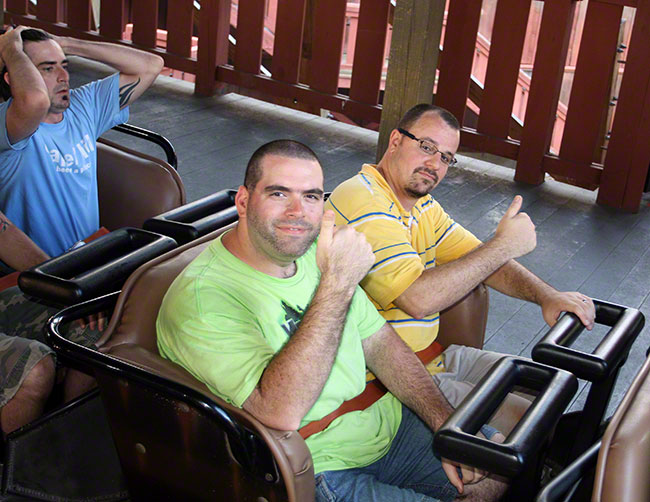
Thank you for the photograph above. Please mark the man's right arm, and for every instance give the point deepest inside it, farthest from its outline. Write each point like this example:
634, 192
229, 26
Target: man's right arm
443, 285
16, 249
293, 380
30, 101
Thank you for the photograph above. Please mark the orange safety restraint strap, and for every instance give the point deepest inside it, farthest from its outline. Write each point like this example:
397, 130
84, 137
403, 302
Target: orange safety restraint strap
373, 391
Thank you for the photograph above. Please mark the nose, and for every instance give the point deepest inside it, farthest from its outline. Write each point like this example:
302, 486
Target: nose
63, 75
294, 207
434, 162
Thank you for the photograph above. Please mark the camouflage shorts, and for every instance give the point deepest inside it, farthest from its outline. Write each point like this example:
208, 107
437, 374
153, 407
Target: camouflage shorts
22, 338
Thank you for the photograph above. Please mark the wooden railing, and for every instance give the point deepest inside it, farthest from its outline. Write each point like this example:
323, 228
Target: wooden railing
305, 69
621, 178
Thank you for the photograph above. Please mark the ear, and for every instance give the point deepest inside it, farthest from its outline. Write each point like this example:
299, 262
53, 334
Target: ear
394, 140
241, 201
7, 78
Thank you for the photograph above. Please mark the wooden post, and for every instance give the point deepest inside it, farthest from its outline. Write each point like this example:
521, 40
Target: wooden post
552, 47
414, 51
111, 15
79, 14
628, 152
214, 27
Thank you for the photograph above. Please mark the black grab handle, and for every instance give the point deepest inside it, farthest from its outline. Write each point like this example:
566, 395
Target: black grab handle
555, 348
456, 438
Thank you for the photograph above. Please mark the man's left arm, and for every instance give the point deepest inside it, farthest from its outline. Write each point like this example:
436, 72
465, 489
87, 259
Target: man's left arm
399, 369
138, 69
515, 280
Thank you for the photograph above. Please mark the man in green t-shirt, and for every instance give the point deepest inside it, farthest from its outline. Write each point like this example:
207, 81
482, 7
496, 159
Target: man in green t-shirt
276, 324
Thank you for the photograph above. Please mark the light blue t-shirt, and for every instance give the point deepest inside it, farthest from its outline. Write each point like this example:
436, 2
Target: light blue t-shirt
48, 181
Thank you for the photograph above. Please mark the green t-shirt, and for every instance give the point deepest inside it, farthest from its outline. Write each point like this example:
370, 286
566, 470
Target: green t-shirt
224, 321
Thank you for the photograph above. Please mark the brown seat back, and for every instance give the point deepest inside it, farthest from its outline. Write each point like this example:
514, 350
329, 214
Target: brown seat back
464, 322
622, 468
134, 317
131, 337
133, 186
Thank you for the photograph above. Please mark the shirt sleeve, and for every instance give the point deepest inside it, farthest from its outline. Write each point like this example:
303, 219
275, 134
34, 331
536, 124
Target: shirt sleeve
226, 350
5, 143
101, 98
451, 239
397, 264
365, 314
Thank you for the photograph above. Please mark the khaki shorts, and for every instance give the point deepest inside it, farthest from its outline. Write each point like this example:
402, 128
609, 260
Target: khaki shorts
22, 338
464, 368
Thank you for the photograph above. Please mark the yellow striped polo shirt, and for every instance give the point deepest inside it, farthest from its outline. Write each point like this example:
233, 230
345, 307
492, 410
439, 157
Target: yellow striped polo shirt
405, 244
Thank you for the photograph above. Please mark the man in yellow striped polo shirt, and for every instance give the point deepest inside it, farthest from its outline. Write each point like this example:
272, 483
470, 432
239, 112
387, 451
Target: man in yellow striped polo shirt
424, 261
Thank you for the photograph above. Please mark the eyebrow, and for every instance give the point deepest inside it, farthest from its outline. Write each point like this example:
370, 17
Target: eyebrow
50, 63
281, 188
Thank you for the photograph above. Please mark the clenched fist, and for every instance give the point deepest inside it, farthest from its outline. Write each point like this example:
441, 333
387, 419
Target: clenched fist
343, 253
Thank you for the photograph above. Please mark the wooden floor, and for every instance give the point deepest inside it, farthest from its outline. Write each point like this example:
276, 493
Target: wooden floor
581, 246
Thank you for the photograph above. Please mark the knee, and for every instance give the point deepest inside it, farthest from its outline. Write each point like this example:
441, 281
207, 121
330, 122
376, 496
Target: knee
39, 381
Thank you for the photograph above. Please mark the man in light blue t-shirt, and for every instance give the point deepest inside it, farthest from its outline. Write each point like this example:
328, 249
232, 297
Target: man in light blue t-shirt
48, 186
48, 181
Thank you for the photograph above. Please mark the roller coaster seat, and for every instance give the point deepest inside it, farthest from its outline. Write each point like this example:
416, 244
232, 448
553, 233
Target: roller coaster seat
133, 186
148, 389
622, 467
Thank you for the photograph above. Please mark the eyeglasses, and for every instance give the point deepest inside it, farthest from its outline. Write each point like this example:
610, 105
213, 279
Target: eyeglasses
430, 149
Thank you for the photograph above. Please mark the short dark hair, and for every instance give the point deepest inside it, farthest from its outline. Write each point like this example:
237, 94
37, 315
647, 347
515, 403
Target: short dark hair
29, 35
281, 147
414, 114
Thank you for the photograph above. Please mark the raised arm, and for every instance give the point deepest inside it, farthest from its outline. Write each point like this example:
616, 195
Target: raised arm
295, 377
16, 249
441, 286
494, 264
138, 69
31, 101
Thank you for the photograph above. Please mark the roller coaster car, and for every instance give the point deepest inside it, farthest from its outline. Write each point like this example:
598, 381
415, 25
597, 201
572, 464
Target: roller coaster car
175, 439
172, 439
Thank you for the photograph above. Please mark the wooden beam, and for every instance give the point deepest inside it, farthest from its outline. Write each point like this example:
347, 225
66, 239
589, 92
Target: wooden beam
49, 10
299, 94
111, 17
250, 28
329, 24
179, 27
457, 57
287, 47
628, 151
214, 28
369, 51
573, 173
548, 71
508, 36
414, 50
472, 140
79, 14
590, 88
17, 6
145, 22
